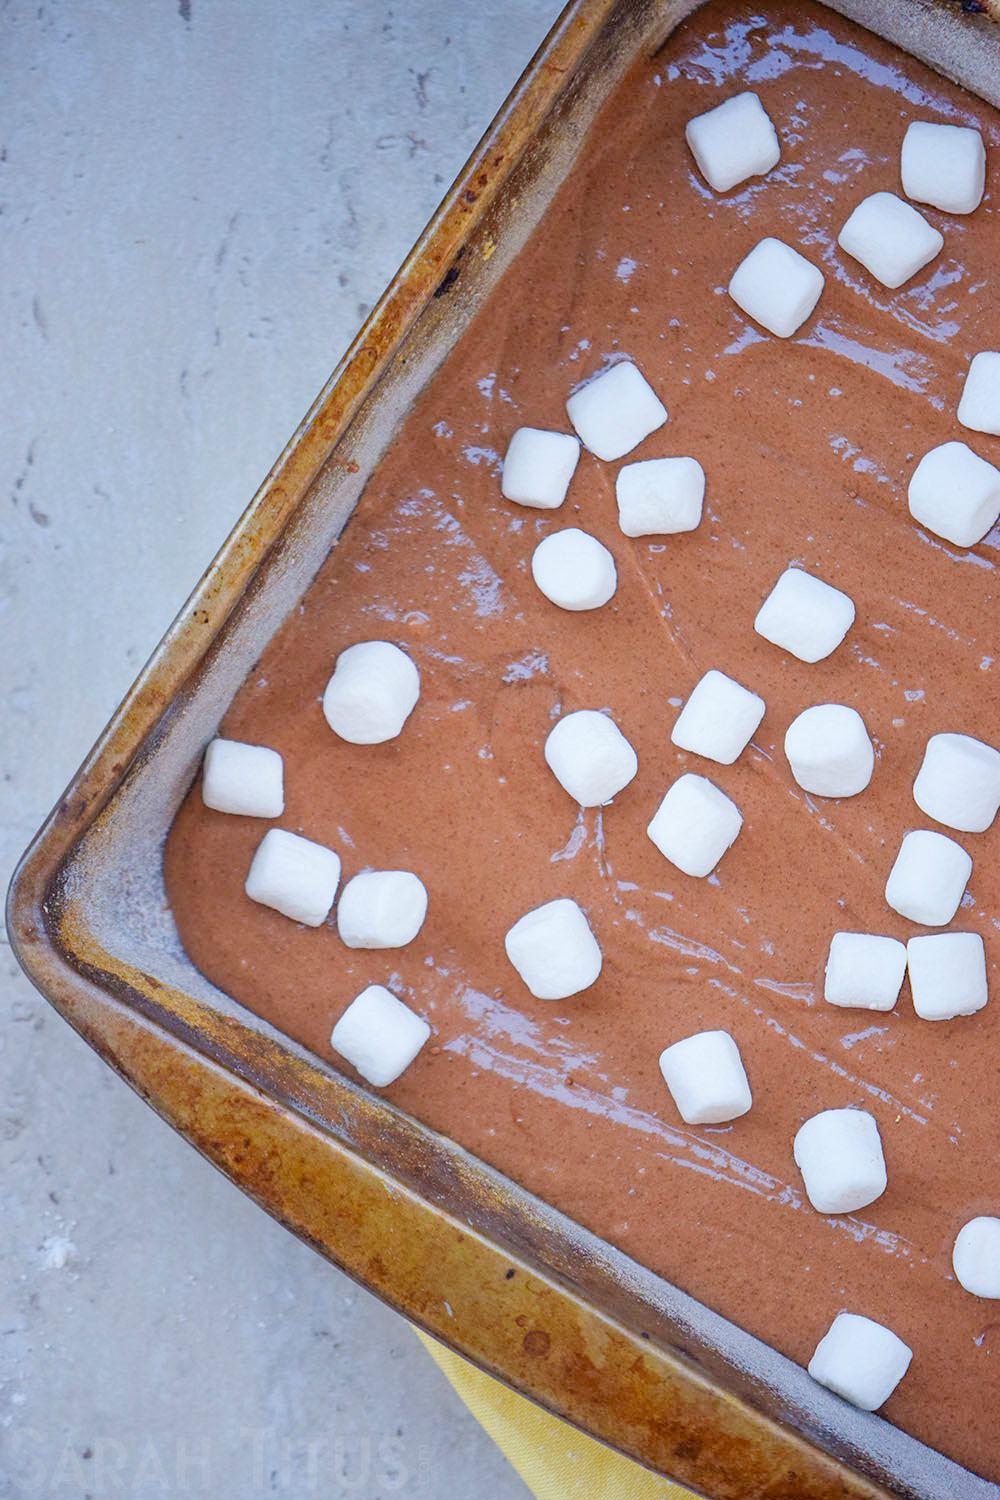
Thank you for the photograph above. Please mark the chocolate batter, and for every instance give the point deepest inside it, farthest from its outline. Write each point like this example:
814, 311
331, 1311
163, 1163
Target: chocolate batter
808, 445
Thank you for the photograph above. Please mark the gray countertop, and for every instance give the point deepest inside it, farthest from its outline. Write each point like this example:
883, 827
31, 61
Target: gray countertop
199, 203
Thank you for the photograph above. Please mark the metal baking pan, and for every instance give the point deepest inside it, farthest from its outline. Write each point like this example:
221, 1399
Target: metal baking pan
466, 1254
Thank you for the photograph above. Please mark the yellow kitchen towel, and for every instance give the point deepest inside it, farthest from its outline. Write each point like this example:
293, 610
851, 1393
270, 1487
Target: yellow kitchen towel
555, 1460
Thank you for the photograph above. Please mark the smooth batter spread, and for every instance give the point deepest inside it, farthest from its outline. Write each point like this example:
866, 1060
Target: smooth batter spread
808, 445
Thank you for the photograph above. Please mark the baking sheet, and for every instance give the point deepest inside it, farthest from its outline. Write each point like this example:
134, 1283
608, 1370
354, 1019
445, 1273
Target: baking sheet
105, 906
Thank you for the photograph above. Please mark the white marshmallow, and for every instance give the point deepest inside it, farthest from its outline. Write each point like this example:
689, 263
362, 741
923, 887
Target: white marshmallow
829, 751
955, 494
860, 1360
706, 1078
695, 824
590, 757
839, 1153
660, 496
928, 880
805, 616
958, 783
864, 971
776, 286
719, 718
538, 467
296, 876
373, 691
944, 165
574, 569
554, 950
381, 909
890, 238
379, 1035
614, 412
733, 141
244, 779
979, 408
976, 1257
947, 974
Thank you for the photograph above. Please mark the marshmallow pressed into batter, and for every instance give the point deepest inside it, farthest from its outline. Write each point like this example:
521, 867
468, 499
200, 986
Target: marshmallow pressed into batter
615, 410
976, 1256
829, 751
381, 909
719, 718
839, 1153
247, 780
890, 238
864, 971
958, 783
733, 141
373, 691
928, 878
695, 824
295, 876
805, 616
379, 1035
955, 494
660, 496
574, 570
860, 1360
947, 974
538, 467
554, 950
590, 757
706, 1078
777, 287
944, 165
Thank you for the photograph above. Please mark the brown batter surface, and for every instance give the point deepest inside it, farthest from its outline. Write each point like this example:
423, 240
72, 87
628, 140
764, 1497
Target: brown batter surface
808, 445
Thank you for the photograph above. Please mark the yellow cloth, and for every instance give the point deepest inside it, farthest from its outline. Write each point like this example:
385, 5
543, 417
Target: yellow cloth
555, 1460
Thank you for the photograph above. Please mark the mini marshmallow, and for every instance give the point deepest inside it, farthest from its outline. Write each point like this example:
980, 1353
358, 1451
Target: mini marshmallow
944, 165
379, 1035
890, 238
839, 1153
660, 496
947, 974
381, 909
979, 407
296, 876
776, 286
538, 467
976, 1257
706, 1077
958, 783
574, 569
614, 412
719, 718
733, 141
554, 950
695, 824
590, 757
955, 494
805, 616
373, 691
864, 971
244, 779
860, 1360
928, 880
829, 751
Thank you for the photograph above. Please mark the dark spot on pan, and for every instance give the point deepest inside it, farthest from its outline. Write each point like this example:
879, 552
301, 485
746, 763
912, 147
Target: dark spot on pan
536, 1342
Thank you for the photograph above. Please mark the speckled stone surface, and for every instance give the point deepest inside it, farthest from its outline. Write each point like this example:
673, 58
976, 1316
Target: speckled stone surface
199, 202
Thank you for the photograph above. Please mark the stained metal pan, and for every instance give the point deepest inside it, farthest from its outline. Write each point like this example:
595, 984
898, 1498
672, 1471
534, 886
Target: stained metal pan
466, 1254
